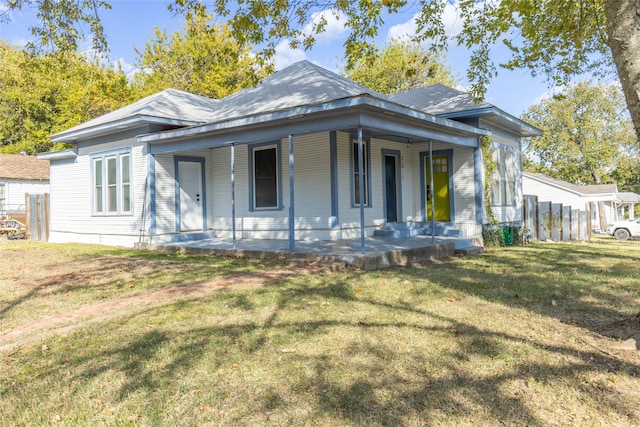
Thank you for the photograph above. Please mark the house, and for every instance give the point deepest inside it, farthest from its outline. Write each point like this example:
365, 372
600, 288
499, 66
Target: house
628, 201
20, 174
586, 198
305, 155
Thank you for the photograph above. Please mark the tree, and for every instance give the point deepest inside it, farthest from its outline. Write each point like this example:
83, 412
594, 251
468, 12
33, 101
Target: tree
42, 95
62, 23
202, 59
587, 135
401, 65
557, 38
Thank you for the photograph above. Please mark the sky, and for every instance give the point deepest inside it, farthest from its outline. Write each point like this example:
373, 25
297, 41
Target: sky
130, 23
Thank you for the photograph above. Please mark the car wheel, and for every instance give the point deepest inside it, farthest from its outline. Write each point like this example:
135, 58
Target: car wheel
621, 234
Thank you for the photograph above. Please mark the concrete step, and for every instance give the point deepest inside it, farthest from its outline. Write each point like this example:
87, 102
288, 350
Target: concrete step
462, 243
404, 225
395, 234
416, 228
469, 250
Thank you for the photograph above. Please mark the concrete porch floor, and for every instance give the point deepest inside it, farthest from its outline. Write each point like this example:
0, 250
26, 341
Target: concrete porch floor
380, 252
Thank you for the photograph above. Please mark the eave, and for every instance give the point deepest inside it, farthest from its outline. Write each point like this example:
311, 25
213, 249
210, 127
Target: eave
500, 118
59, 155
379, 117
72, 136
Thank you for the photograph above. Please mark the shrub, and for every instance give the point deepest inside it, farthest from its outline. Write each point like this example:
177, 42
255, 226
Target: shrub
504, 235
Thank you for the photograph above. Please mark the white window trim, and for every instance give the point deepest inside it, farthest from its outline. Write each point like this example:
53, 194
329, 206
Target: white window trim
501, 179
252, 178
120, 196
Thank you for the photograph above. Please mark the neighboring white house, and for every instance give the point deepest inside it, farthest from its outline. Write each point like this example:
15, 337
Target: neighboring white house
307, 154
582, 197
628, 201
20, 174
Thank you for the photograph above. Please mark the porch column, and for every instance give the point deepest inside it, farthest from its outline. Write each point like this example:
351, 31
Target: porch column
361, 189
152, 195
292, 217
433, 201
631, 216
233, 194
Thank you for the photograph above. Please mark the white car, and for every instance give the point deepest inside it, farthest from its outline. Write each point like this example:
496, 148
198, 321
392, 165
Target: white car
623, 230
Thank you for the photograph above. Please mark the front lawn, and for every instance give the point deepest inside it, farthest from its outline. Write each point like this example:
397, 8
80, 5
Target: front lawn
507, 337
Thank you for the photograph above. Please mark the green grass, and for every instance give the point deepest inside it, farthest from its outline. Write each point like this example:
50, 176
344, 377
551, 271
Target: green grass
506, 337
40, 279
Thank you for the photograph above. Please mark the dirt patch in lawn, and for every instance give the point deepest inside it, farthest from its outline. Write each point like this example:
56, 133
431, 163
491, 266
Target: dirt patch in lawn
627, 330
114, 307
43, 291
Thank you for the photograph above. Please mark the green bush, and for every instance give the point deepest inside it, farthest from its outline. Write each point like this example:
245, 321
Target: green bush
491, 236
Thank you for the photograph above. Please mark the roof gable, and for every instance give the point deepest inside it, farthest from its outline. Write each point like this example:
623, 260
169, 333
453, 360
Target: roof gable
19, 167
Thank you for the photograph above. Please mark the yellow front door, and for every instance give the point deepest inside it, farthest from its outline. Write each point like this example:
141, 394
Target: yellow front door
442, 204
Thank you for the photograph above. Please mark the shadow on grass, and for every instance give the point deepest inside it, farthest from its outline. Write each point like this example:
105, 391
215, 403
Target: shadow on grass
375, 370
380, 378
585, 285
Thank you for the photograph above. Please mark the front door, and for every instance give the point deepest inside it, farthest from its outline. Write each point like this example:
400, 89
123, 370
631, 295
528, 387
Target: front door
391, 198
442, 205
191, 197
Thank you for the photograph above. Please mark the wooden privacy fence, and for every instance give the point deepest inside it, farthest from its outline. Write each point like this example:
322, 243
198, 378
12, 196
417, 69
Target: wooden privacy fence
547, 220
37, 216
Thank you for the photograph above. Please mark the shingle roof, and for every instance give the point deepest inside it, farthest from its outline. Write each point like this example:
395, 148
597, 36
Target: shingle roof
438, 99
170, 104
629, 197
15, 166
299, 85
592, 189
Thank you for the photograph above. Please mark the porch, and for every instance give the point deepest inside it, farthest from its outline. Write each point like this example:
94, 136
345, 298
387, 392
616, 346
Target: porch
380, 252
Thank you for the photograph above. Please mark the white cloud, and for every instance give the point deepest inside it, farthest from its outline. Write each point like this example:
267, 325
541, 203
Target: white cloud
451, 20
286, 56
334, 29
127, 68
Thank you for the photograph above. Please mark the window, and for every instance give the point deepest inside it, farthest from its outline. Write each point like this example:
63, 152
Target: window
441, 165
366, 176
265, 176
503, 182
112, 183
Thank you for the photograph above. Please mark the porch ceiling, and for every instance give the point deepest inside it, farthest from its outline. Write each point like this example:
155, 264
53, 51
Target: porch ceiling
379, 119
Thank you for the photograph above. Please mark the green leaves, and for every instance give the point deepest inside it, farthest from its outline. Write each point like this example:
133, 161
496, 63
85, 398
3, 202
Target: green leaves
401, 65
587, 132
61, 23
42, 95
203, 59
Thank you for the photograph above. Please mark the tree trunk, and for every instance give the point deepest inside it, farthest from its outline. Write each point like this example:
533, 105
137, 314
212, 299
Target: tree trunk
623, 30
602, 217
